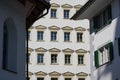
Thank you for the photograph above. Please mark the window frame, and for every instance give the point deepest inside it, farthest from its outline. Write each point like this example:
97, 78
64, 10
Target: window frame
53, 13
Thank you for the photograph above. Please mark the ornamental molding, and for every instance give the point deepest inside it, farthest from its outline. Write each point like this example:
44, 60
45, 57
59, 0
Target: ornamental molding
54, 50
81, 51
68, 50
30, 49
54, 73
41, 49
67, 6
80, 29
77, 6
55, 5
82, 74
67, 28
54, 28
41, 27
68, 74
41, 73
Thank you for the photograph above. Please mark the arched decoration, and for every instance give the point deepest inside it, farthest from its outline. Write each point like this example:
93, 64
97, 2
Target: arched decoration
54, 28
54, 5
54, 73
41, 73
41, 49
77, 7
54, 50
41, 27
67, 28
82, 74
68, 74
68, 50
10, 45
81, 51
30, 49
80, 29
67, 6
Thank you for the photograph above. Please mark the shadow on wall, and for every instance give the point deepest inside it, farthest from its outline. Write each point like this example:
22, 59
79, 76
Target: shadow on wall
111, 70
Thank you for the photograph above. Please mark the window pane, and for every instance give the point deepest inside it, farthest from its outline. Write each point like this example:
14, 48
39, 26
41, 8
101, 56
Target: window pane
66, 36
40, 35
54, 78
53, 36
40, 78
53, 13
53, 58
66, 14
67, 59
80, 59
79, 37
81, 79
40, 58
67, 78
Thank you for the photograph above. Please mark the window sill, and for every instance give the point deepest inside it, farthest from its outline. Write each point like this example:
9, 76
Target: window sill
53, 18
40, 63
40, 40
54, 64
53, 41
81, 64
80, 42
68, 64
68, 41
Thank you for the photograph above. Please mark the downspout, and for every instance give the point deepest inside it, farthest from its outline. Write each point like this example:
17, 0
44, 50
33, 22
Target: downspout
47, 7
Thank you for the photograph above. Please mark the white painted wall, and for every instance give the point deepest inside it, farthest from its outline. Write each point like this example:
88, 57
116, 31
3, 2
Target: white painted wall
109, 33
14, 10
47, 44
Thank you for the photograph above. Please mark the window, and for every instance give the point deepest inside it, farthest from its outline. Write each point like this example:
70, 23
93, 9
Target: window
53, 58
40, 35
103, 19
66, 36
40, 58
40, 78
67, 58
80, 59
53, 36
79, 37
28, 35
67, 78
81, 78
28, 58
66, 14
54, 78
9, 46
53, 13
103, 55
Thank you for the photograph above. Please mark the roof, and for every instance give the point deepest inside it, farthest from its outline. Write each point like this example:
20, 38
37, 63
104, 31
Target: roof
33, 9
80, 11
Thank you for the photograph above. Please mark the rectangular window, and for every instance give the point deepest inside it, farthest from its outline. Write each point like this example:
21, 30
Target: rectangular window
102, 19
79, 37
53, 13
53, 36
40, 78
53, 58
66, 36
67, 78
66, 14
54, 78
80, 59
67, 58
28, 58
40, 58
81, 78
28, 35
40, 35
103, 55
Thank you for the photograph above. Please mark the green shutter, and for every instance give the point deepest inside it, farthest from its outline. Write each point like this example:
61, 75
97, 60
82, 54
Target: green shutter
95, 23
96, 59
111, 51
109, 12
119, 46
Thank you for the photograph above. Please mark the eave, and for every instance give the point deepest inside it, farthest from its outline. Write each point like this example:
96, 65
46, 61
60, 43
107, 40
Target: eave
90, 9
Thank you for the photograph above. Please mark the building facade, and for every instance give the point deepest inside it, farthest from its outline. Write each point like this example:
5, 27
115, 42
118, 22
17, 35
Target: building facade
12, 37
59, 48
104, 37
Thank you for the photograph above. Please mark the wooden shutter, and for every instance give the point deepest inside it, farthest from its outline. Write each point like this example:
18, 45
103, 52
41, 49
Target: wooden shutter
96, 59
95, 23
111, 51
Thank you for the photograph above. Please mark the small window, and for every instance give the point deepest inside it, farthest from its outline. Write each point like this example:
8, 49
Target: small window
53, 13
66, 36
66, 14
40, 58
67, 59
40, 35
40, 78
28, 35
67, 78
79, 37
54, 78
81, 78
53, 58
80, 59
28, 58
53, 36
